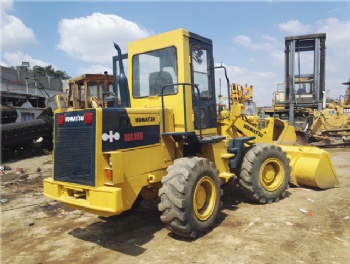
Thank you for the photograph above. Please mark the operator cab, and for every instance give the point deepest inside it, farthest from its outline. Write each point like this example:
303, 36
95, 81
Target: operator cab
174, 70
87, 91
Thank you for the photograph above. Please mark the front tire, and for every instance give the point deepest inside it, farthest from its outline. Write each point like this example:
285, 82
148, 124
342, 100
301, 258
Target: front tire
190, 197
265, 173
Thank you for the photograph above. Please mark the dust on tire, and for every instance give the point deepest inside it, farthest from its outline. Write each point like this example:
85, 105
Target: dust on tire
184, 178
256, 159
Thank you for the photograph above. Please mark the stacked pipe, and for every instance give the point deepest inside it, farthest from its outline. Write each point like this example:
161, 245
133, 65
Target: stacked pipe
24, 133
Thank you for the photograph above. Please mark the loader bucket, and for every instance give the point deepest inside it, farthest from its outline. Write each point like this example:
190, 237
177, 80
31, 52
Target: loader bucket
311, 167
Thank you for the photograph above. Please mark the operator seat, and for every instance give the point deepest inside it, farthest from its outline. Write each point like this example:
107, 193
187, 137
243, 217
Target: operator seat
159, 79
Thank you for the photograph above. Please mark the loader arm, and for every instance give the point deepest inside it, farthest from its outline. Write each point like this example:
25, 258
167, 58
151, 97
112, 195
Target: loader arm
311, 166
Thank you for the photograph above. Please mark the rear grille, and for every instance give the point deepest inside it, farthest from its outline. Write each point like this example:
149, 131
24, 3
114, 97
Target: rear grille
74, 153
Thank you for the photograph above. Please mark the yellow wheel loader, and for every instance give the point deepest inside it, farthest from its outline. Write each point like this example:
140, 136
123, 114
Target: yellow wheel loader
331, 125
159, 135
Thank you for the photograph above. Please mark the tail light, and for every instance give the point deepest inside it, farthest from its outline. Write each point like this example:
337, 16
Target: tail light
60, 120
88, 118
108, 176
109, 172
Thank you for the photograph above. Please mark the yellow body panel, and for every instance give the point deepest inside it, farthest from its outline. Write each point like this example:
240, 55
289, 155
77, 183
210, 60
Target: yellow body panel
132, 170
140, 168
218, 154
180, 40
102, 200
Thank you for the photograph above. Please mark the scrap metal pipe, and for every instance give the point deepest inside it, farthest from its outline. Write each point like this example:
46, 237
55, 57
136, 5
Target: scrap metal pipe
17, 134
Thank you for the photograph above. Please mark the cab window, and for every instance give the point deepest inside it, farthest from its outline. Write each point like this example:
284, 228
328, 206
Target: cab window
151, 71
201, 71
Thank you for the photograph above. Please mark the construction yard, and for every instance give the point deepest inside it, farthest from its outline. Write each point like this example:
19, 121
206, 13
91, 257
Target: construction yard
35, 229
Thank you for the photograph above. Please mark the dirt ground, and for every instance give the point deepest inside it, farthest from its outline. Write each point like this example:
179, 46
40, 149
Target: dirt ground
35, 229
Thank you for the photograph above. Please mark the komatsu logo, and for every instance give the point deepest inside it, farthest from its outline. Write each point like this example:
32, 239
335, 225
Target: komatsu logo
111, 136
255, 131
74, 118
145, 119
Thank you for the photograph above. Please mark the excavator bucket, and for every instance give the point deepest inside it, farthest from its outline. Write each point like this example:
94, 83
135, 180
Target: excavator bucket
311, 166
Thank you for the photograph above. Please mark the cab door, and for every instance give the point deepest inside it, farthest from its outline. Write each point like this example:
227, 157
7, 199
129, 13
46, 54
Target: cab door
202, 73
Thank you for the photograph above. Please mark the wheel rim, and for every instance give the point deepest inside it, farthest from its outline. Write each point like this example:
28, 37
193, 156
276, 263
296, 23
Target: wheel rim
204, 198
271, 174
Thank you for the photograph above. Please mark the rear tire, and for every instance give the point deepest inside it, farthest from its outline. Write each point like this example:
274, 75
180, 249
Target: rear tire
265, 173
190, 197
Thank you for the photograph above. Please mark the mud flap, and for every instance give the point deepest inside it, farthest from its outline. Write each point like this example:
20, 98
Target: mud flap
311, 166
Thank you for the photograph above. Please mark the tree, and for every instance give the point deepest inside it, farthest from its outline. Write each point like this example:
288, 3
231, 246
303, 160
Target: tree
48, 71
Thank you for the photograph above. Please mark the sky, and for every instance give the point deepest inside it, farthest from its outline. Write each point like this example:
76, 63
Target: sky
248, 37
